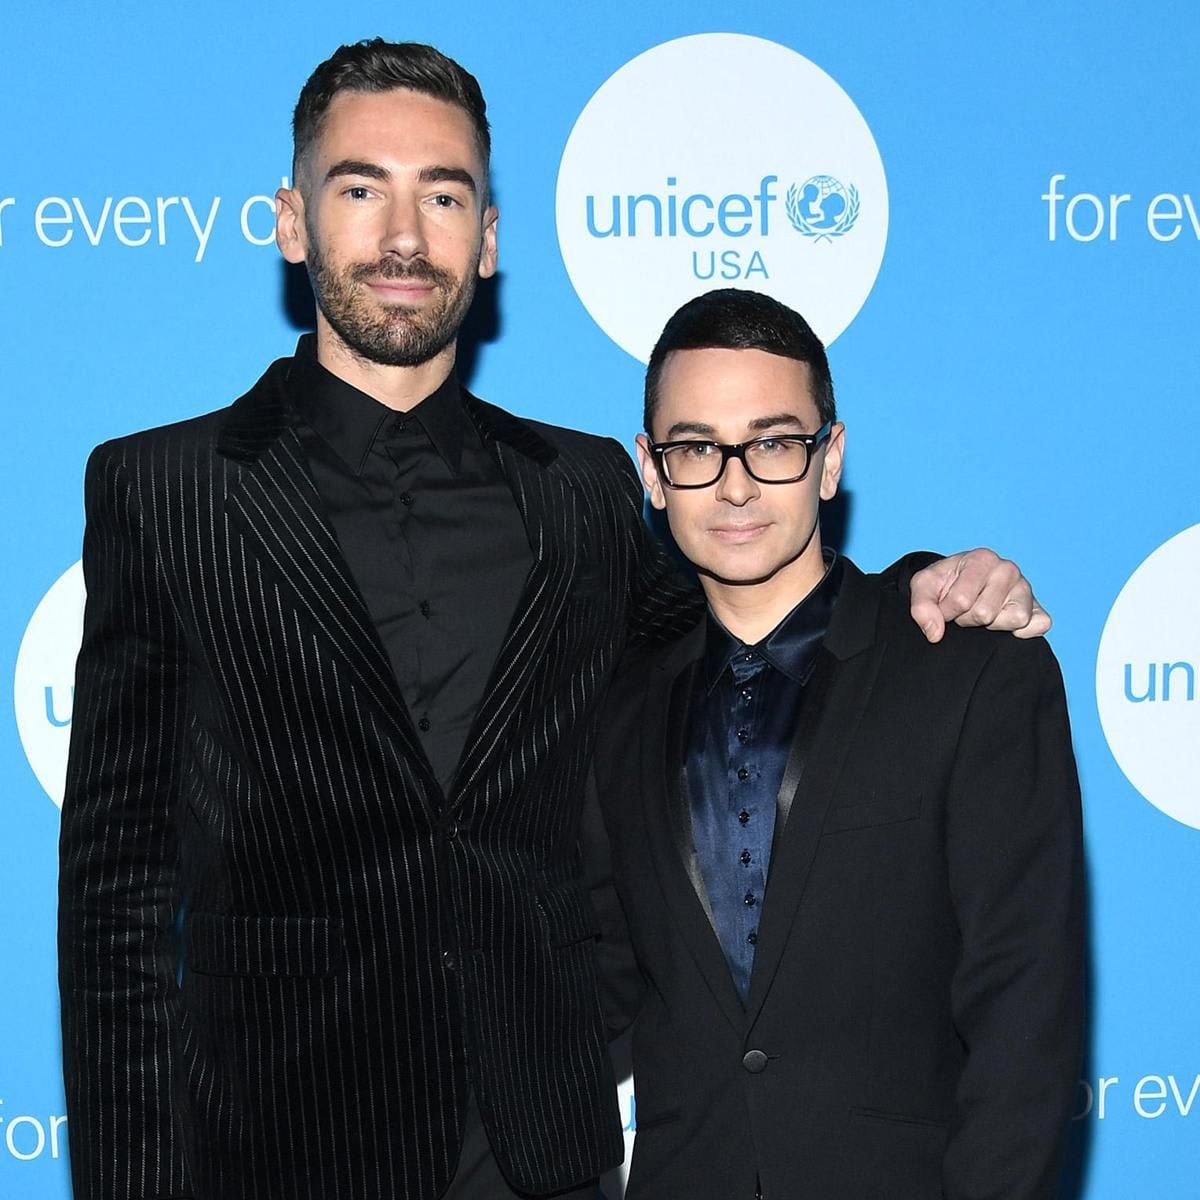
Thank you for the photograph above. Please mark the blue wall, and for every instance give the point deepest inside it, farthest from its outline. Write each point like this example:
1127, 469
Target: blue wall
1000, 386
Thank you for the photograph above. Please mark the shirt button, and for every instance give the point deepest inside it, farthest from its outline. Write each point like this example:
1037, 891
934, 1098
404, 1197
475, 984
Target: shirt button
424, 724
406, 499
749, 900
743, 774
748, 656
752, 937
743, 736
425, 608
745, 858
743, 817
747, 695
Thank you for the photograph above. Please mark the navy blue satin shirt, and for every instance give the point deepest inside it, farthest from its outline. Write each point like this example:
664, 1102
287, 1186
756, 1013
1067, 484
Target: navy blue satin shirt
741, 721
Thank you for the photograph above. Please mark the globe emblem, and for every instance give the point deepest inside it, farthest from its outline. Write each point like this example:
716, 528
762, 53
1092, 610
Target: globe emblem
822, 207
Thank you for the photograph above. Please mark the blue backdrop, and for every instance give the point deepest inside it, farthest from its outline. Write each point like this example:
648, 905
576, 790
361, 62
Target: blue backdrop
1021, 375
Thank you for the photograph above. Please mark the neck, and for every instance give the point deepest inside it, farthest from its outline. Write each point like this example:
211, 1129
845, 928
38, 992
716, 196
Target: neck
750, 611
399, 388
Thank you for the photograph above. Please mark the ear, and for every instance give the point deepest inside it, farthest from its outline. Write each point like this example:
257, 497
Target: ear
488, 253
650, 478
831, 467
291, 234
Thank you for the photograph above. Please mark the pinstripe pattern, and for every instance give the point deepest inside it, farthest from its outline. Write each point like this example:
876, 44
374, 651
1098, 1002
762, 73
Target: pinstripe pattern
241, 755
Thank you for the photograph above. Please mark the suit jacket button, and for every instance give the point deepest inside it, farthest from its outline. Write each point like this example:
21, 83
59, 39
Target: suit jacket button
450, 962
754, 1061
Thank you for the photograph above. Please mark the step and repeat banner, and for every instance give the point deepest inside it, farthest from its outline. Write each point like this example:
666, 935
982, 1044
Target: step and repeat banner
992, 213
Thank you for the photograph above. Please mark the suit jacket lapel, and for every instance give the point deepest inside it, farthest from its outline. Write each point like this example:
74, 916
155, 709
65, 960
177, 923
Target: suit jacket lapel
548, 506
669, 821
275, 505
835, 698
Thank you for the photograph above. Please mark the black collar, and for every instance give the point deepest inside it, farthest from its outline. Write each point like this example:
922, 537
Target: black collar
350, 420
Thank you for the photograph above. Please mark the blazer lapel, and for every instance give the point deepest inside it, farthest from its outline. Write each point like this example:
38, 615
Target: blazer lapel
274, 504
835, 699
668, 818
548, 506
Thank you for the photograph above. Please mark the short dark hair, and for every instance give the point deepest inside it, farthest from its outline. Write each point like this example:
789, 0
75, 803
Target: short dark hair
737, 319
378, 66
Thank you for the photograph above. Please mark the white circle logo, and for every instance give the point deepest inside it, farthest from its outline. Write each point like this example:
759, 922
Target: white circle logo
1147, 688
44, 684
720, 160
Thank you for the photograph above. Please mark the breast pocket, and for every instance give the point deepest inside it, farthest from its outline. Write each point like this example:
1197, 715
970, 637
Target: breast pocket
882, 810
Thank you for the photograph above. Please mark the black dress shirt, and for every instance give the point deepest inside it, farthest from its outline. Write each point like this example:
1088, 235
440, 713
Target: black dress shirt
431, 533
743, 716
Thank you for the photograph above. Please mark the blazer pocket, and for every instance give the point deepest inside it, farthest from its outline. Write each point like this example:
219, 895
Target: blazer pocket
887, 810
652, 1120
567, 915
218, 944
872, 1114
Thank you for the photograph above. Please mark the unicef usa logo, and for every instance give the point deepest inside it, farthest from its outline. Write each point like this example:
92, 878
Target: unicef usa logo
822, 208
43, 684
720, 160
1148, 678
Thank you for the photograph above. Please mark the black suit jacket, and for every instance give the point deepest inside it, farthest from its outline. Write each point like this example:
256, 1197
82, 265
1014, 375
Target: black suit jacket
914, 1017
357, 948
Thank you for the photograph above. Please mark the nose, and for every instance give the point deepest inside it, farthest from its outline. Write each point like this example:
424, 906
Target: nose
736, 486
403, 232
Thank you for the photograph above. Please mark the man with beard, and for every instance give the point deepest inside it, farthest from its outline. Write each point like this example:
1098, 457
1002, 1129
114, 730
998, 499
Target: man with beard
323, 930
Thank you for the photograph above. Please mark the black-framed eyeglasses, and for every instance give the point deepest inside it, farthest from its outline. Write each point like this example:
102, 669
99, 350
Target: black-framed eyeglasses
774, 458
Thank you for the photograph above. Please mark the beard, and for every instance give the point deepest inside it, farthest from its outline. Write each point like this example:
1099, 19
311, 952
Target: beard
392, 335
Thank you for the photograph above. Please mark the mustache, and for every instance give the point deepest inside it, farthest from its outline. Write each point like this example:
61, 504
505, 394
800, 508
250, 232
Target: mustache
393, 268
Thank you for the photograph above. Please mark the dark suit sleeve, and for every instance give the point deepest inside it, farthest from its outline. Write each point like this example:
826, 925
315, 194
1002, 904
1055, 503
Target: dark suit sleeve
1016, 877
620, 979
119, 861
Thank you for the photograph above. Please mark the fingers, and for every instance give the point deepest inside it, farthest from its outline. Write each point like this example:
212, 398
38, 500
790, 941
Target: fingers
1038, 625
925, 596
993, 594
928, 616
976, 588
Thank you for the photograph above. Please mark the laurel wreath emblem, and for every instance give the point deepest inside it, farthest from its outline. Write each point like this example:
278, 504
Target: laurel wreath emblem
844, 224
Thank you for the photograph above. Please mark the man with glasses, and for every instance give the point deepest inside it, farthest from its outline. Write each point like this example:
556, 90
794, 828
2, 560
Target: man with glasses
850, 860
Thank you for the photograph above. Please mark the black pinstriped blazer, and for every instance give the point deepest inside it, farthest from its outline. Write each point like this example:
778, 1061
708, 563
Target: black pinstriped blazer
245, 783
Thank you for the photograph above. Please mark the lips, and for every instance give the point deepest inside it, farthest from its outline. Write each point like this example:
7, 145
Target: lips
738, 533
401, 289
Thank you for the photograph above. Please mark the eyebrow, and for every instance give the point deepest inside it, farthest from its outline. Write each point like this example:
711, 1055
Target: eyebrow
446, 175
369, 170
755, 426
354, 166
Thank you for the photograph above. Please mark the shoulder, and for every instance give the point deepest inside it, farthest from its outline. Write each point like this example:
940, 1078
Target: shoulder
589, 451
194, 439
963, 655
575, 445
189, 431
